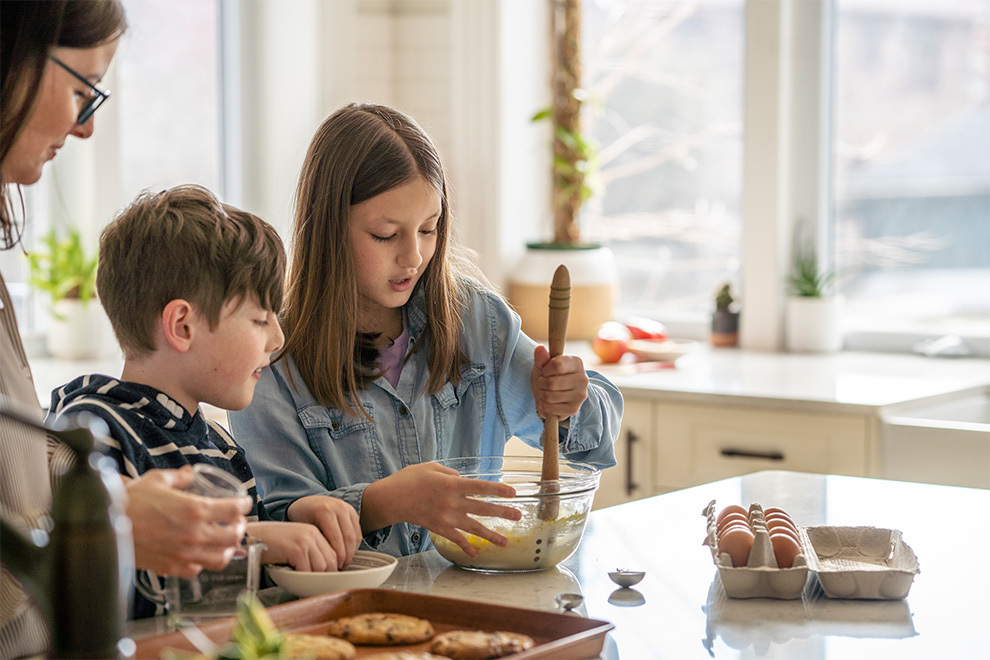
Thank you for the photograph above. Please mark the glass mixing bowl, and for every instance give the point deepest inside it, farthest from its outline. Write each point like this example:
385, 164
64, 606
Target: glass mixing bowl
552, 523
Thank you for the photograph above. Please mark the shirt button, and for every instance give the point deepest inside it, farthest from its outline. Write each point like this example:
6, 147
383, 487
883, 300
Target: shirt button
403, 411
335, 425
415, 538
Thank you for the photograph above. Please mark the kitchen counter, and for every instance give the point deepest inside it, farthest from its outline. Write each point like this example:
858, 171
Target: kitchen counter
841, 382
680, 611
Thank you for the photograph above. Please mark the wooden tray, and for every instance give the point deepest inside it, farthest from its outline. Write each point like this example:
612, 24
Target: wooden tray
563, 636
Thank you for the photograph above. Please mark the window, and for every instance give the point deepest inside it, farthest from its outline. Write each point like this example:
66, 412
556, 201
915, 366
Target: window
665, 85
912, 165
162, 126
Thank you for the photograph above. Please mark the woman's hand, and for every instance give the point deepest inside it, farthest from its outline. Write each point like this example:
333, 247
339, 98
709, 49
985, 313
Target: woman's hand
336, 519
176, 533
300, 545
560, 385
436, 497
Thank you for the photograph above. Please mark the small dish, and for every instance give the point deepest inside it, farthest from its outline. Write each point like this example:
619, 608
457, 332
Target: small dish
667, 350
367, 571
626, 578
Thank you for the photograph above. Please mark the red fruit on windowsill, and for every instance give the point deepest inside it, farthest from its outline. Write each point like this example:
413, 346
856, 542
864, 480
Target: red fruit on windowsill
644, 328
611, 342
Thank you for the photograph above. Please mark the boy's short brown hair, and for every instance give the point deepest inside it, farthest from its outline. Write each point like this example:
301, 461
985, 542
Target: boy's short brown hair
183, 243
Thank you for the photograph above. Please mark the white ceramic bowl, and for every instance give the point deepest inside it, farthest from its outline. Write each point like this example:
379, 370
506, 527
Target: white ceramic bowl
367, 571
660, 351
535, 543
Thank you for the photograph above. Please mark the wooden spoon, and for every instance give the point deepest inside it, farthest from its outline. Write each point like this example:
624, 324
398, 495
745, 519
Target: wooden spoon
560, 305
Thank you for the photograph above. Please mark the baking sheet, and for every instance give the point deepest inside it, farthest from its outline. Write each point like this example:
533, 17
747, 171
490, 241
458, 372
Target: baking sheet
556, 635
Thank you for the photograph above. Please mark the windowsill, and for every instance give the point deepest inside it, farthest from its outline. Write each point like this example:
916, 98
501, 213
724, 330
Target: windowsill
50, 373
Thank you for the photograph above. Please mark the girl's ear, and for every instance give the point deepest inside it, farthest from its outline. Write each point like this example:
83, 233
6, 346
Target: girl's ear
178, 321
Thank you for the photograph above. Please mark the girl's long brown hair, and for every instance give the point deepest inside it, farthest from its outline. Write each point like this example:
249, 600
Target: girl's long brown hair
361, 151
30, 30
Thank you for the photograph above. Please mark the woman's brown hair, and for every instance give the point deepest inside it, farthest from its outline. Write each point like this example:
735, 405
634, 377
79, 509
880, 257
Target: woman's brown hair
361, 151
30, 30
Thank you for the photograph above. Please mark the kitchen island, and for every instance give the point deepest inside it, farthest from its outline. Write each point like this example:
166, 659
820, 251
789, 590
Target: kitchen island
680, 611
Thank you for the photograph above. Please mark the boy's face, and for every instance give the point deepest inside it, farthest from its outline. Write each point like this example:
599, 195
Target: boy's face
393, 236
229, 358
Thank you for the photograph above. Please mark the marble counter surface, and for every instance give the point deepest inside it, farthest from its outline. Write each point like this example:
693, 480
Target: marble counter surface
680, 611
839, 382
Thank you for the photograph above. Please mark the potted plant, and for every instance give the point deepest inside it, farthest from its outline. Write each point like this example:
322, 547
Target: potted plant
594, 277
812, 319
725, 319
65, 271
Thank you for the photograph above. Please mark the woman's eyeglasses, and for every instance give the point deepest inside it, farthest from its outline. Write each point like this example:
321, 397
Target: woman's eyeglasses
95, 100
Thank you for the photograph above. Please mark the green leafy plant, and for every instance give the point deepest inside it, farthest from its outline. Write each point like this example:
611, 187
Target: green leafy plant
808, 280
723, 299
63, 269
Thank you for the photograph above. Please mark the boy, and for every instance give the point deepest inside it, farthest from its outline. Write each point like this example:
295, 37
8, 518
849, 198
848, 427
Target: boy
192, 287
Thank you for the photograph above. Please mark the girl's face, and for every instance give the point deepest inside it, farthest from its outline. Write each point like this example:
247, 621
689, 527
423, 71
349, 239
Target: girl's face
393, 237
56, 107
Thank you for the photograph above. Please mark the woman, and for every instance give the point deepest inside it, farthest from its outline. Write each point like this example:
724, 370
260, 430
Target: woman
53, 56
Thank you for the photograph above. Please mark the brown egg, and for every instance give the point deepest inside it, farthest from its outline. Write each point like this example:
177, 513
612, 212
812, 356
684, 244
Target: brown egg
776, 516
736, 541
778, 523
731, 518
785, 548
773, 509
732, 508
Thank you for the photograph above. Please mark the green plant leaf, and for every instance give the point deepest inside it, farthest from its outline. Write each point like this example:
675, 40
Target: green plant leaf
62, 268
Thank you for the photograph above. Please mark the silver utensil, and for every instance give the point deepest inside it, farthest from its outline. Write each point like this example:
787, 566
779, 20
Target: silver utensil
625, 577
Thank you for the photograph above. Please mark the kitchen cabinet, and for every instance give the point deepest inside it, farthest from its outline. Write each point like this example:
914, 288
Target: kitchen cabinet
665, 446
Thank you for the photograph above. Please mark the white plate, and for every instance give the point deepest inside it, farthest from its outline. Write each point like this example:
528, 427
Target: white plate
660, 351
367, 571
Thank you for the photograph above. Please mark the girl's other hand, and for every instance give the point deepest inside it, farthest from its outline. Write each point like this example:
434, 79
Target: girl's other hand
560, 385
436, 497
336, 519
176, 533
300, 545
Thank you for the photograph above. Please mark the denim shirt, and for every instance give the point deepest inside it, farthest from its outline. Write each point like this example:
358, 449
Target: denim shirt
298, 447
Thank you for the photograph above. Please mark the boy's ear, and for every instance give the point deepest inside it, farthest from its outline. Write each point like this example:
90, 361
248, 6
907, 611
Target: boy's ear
178, 324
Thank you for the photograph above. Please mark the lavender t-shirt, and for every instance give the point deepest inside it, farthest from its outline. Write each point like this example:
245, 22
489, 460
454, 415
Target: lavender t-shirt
392, 358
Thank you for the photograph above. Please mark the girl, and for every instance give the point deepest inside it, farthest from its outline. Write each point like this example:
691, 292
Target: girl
394, 358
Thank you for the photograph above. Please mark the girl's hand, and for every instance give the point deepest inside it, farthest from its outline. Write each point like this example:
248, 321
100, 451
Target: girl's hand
436, 497
176, 533
559, 385
299, 545
335, 518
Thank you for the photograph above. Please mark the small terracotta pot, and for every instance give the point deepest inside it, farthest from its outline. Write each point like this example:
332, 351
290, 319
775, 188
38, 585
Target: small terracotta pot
725, 328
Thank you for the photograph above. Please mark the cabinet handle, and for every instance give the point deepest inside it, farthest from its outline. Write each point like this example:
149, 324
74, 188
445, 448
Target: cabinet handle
764, 455
631, 439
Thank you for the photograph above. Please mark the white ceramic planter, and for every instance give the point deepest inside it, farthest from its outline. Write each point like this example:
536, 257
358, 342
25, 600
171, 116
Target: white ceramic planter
813, 324
78, 334
594, 288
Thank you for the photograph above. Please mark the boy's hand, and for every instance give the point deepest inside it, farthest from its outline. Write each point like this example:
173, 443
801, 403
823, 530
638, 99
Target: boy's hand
336, 519
300, 545
559, 385
176, 533
436, 497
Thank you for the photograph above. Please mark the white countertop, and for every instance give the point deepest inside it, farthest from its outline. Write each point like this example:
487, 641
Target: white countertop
840, 382
680, 611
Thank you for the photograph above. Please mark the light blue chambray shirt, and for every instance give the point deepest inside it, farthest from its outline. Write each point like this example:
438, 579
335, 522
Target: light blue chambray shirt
298, 447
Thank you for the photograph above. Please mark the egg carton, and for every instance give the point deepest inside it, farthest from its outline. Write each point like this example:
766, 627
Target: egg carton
861, 562
760, 577
849, 562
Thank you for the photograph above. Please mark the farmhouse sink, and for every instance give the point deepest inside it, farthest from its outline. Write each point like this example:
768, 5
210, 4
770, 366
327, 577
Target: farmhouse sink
944, 441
